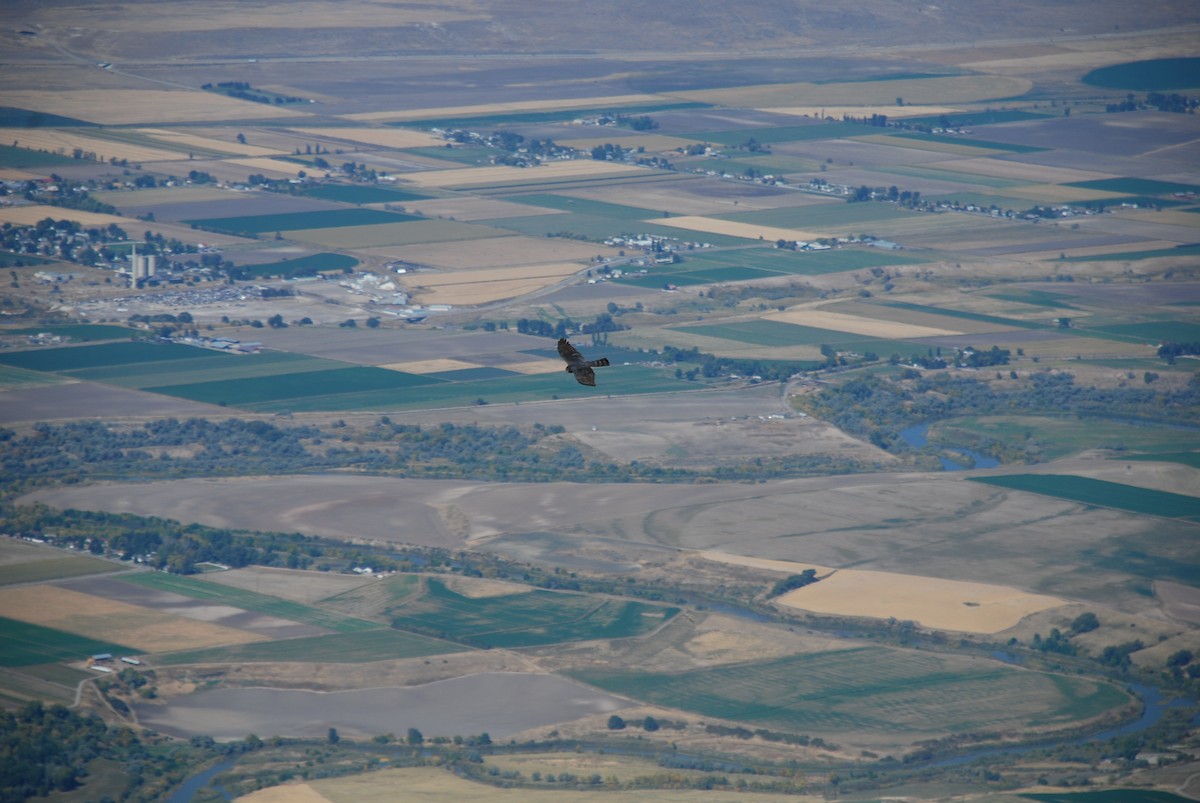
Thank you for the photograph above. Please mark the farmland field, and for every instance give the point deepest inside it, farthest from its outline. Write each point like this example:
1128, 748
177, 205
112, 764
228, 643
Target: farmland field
381, 644
323, 219
526, 619
869, 689
1105, 494
25, 644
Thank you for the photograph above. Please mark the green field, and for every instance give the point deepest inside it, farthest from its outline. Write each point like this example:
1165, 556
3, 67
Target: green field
39, 571
310, 265
490, 120
105, 354
24, 644
1107, 796
1102, 493
23, 157
296, 221
1059, 436
1133, 256
250, 601
868, 689
526, 620
216, 366
1152, 74
296, 386
12, 117
381, 644
770, 333
1155, 331
1136, 186
790, 133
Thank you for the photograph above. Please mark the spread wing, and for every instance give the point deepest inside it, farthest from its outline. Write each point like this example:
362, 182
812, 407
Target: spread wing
570, 354
577, 365
585, 376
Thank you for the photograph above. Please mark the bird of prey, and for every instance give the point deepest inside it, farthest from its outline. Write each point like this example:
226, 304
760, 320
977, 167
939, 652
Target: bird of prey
577, 365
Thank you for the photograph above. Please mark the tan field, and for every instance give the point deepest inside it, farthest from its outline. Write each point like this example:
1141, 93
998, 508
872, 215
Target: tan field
750, 231
435, 785
125, 106
474, 588
429, 366
275, 166
931, 602
484, 286
1055, 193
786, 566
1102, 250
65, 141
1019, 171
654, 143
12, 174
533, 367
31, 214
381, 137
498, 108
841, 322
186, 140
498, 252
927, 145
484, 291
890, 110
933, 91
468, 208
505, 174
141, 628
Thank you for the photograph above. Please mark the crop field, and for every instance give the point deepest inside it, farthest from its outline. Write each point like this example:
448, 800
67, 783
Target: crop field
525, 619
490, 110
931, 90
318, 219
66, 141
294, 386
101, 355
11, 156
1062, 436
770, 332
30, 214
745, 231
870, 690
1103, 494
566, 203
146, 630
303, 266
501, 175
853, 324
495, 252
380, 644
26, 644
413, 232
361, 194
597, 228
251, 601
140, 106
1155, 331
52, 567
215, 367
188, 142
390, 138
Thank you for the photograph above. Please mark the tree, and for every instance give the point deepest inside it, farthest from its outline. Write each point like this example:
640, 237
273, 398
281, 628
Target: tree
1084, 623
415, 737
333, 736
615, 723
650, 724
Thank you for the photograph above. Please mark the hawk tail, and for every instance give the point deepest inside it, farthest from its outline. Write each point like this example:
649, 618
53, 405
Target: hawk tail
600, 363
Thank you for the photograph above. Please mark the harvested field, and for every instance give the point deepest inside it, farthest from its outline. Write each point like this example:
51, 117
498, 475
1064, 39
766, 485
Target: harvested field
505, 174
472, 288
450, 233
290, 584
749, 231
1019, 171
273, 166
29, 215
466, 208
892, 111
145, 106
1179, 601
395, 138
184, 140
99, 618
929, 601
653, 143
497, 252
66, 141
1054, 193
786, 566
921, 91
534, 366
492, 109
841, 322
430, 366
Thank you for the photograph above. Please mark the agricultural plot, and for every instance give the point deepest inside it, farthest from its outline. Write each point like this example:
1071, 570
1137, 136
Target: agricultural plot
11, 156
1155, 331
301, 388
309, 265
251, 601
52, 568
1062, 436
319, 219
495, 252
380, 644
489, 111
927, 90
1102, 493
414, 231
361, 194
597, 228
900, 695
89, 141
140, 106
25, 644
390, 138
526, 619
101, 355
214, 366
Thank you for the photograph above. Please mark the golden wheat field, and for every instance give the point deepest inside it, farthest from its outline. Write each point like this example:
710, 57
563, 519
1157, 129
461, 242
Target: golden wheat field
65, 141
429, 366
140, 106
141, 628
842, 322
29, 215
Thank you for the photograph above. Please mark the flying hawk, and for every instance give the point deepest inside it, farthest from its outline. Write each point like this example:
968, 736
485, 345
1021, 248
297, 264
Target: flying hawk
577, 365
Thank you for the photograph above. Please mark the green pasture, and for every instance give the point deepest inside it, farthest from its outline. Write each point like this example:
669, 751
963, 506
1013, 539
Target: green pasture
297, 221
1149, 75
220, 367
528, 619
17, 157
83, 332
380, 644
362, 194
104, 354
868, 689
24, 644
623, 380
1130, 795
1154, 331
1136, 186
1191, 459
17, 378
12, 117
1102, 493
295, 386
1059, 436
310, 265
250, 601
56, 568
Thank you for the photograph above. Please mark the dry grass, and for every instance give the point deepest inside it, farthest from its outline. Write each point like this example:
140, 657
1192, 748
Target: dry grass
65, 141
486, 109
734, 229
31, 214
920, 91
107, 620
132, 106
274, 166
380, 137
505, 174
1055, 193
929, 601
842, 322
474, 588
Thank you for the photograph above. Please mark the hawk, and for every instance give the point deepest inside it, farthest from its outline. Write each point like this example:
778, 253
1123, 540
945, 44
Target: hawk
577, 365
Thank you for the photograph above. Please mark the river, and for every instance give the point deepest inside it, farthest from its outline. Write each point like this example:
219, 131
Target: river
918, 437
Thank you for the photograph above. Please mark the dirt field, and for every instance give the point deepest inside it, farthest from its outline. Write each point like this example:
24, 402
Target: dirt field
940, 604
430, 366
298, 586
107, 620
144, 106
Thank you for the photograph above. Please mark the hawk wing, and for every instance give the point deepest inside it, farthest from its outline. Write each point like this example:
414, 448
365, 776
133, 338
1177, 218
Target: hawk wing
577, 365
